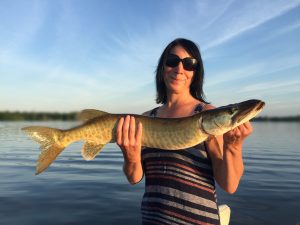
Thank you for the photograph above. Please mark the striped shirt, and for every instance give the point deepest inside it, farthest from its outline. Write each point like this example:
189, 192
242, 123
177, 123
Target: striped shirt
180, 187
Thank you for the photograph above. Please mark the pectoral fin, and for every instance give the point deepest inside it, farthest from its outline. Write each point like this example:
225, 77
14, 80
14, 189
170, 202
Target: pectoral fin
90, 150
88, 114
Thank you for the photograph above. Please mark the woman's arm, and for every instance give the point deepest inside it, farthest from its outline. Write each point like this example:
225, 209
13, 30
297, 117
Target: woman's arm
129, 139
226, 154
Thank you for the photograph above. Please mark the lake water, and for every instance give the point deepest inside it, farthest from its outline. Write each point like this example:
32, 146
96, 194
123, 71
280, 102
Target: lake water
73, 191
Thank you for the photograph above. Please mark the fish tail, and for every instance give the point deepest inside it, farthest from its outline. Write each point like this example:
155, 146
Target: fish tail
50, 145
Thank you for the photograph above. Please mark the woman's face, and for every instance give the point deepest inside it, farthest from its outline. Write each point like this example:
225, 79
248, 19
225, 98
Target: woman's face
177, 79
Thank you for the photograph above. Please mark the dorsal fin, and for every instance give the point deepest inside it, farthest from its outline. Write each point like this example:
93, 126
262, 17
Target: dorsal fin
88, 114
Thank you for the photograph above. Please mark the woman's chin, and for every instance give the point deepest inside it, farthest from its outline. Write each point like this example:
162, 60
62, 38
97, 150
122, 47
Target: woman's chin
175, 88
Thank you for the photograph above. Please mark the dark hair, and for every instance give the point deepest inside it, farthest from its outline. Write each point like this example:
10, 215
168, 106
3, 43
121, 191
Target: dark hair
196, 88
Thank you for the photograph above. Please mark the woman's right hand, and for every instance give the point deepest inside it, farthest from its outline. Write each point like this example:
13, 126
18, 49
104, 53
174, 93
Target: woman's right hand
129, 139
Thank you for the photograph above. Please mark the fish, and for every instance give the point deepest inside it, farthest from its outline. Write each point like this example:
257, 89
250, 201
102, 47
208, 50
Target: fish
99, 128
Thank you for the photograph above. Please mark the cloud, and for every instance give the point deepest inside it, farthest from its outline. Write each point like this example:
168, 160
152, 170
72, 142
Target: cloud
280, 31
94, 58
284, 86
244, 17
237, 73
262, 69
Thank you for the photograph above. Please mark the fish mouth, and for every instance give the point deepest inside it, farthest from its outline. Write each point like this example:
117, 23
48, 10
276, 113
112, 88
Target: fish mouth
248, 109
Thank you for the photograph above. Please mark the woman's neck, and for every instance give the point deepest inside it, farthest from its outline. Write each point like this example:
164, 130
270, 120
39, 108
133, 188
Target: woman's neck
176, 100
178, 105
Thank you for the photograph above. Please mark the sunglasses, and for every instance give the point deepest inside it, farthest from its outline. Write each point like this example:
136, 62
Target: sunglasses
188, 63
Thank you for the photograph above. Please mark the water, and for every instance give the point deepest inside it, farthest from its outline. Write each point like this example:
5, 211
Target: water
73, 191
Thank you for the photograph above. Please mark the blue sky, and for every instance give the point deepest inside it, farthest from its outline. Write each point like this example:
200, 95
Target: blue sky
71, 55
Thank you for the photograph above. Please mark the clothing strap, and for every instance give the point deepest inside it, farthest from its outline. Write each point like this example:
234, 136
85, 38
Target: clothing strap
153, 112
198, 108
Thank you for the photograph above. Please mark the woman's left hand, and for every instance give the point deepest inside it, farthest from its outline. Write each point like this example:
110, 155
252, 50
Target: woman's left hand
237, 135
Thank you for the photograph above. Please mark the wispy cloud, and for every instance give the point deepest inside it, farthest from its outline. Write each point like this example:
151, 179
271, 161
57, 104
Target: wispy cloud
67, 56
248, 15
292, 26
284, 86
262, 69
237, 73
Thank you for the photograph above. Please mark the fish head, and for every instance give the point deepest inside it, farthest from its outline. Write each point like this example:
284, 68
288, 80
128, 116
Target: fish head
220, 120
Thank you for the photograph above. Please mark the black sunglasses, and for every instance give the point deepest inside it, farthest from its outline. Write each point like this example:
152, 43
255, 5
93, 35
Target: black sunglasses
188, 63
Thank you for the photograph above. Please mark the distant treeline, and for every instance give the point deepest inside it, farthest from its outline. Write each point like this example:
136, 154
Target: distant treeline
275, 119
43, 116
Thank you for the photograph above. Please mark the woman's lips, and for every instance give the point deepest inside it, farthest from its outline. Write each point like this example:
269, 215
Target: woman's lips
177, 79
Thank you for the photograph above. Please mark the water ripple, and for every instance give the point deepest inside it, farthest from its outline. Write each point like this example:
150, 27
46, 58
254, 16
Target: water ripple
75, 191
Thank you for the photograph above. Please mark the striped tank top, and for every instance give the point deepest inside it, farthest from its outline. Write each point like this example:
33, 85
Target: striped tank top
179, 186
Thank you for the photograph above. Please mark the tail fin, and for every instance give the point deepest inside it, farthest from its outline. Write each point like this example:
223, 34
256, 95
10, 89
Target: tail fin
48, 138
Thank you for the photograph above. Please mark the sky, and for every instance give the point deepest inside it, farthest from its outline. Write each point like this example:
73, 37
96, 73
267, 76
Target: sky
69, 55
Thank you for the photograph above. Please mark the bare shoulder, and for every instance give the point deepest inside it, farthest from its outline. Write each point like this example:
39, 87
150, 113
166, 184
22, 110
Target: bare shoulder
208, 107
147, 113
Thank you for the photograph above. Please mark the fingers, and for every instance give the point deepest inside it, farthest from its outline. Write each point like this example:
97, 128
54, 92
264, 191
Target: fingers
139, 133
239, 133
127, 133
119, 131
245, 129
122, 131
231, 136
248, 127
132, 131
129, 138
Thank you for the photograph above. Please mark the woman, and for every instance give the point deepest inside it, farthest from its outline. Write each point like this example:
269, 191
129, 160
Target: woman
180, 185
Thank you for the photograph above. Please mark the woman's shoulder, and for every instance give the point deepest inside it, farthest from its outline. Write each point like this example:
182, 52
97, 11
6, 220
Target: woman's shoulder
150, 112
147, 113
208, 107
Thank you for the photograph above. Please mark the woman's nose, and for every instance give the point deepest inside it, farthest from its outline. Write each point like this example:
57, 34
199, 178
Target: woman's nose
179, 68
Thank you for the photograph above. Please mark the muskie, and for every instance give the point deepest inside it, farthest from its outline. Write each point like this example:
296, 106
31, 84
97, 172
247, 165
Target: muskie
164, 133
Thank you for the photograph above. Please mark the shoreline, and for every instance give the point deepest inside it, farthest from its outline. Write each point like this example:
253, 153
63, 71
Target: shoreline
72, 116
